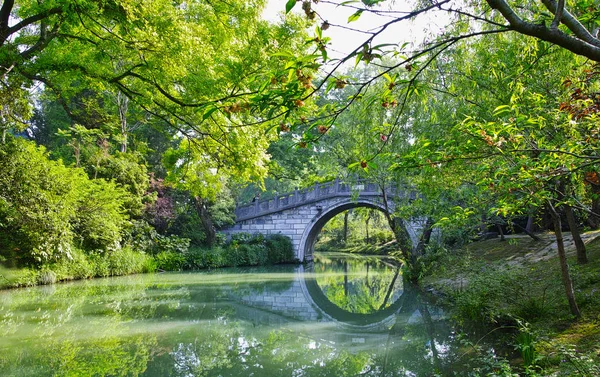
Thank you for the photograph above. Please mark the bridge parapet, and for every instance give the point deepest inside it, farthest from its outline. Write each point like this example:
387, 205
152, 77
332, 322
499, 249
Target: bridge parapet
318, 192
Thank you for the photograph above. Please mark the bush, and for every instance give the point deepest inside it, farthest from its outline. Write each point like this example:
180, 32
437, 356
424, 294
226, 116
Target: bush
188, 225
198, 258
142, 236
46, 208
279, 249
169, 261
126, 261
247, 249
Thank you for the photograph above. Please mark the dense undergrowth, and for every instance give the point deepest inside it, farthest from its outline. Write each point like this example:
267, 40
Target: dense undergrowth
58, 223
488, 292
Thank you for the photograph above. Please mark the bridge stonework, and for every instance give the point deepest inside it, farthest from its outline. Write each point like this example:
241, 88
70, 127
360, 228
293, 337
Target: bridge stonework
302, 214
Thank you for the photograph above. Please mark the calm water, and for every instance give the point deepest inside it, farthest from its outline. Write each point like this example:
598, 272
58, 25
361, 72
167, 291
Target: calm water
342, 316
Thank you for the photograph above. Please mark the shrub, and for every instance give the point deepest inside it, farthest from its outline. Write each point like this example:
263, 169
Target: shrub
46, 277
126, 261
100, 216
169, 261
257, 255
236, 254
45, 207
279, 249
188, 225
142, 236
198, 258
74, 266
253, 250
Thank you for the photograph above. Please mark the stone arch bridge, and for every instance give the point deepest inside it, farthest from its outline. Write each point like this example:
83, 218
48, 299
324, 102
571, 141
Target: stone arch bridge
302, 214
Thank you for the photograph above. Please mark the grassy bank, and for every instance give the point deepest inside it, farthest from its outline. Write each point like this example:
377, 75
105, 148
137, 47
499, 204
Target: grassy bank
516, 285
242, 250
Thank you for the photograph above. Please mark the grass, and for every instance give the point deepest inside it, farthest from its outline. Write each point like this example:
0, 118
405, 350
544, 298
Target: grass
497, 282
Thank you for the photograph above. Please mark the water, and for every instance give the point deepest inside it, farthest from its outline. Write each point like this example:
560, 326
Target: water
343, 316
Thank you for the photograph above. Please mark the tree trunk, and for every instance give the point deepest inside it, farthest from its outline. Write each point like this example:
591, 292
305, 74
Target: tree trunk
593, 220
500, 232
207, 223
533, 236
530, 224
346, 278
123, 104
579, 245
403, 239
425, 237
346, 227
562, 257
367, 226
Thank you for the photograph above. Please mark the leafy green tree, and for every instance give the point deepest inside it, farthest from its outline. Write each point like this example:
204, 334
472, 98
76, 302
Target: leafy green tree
47, 209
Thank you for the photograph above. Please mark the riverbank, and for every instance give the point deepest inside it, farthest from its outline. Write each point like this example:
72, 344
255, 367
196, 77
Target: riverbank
241, 251
516, 284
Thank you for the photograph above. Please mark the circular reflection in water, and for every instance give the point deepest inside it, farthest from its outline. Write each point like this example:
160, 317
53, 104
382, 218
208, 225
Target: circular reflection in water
356, 289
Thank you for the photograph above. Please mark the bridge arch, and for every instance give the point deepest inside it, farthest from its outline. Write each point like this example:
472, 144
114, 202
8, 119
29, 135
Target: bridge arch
301, 214
313, 228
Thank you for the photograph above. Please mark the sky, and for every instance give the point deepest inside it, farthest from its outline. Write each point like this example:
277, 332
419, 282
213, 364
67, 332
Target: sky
344, 41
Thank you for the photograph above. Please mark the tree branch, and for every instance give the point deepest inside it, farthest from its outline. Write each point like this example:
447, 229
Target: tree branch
7, 6
580, 45
572, 23
33, 19
560, 7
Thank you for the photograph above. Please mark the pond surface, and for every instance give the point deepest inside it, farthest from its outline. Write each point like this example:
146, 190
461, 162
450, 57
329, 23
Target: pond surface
342, 316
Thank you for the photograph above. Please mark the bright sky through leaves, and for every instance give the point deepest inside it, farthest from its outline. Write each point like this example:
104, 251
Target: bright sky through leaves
344, 40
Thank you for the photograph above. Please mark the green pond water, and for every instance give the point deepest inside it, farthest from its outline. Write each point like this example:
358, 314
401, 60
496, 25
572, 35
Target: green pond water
341, 316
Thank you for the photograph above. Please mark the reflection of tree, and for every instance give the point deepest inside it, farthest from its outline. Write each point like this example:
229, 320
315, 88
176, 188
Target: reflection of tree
357, 285
52, 331
430, 349
173, 325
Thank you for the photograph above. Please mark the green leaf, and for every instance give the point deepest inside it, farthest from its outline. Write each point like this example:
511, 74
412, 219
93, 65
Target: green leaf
289, 5
501, 110
355, 16
358, 59
208, 112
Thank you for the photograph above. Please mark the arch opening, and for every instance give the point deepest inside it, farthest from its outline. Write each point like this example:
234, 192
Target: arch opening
311, 234
342, 288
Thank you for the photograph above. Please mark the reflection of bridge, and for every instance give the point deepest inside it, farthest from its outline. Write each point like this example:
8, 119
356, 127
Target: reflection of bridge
302, 214
304, 301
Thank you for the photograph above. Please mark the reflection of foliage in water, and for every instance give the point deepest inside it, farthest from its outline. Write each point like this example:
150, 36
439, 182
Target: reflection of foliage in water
46, 332
358, 285
224, 351
193, 325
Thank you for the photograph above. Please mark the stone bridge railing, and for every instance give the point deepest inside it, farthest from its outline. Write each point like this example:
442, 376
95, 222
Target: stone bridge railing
318, 192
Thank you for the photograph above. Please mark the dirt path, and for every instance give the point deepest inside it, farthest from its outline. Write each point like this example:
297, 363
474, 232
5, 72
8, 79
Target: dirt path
546, 249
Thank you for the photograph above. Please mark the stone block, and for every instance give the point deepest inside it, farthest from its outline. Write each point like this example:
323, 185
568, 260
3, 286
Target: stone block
268, 226
293, 221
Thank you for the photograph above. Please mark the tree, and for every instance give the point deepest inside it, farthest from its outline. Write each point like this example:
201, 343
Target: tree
503, 130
